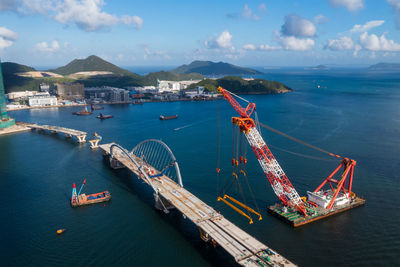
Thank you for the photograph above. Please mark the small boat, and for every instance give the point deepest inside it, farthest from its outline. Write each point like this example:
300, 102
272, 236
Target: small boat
103, 117
93, 107
60, 231
83, 199
83, 112
168, 117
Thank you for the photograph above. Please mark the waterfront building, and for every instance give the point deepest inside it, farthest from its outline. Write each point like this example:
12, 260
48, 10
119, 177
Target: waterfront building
5, 120
173, 86
23, 95
142, 89
42, 99
106, 93
70, 91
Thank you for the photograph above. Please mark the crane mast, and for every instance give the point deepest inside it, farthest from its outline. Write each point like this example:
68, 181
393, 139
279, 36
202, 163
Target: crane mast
280, 183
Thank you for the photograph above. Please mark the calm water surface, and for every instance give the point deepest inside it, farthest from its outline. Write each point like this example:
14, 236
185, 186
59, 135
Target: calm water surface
357, 116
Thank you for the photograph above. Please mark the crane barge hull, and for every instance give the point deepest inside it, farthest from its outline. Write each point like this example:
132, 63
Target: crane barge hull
295, 219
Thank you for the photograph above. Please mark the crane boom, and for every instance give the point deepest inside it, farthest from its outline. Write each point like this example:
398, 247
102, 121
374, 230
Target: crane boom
280, 183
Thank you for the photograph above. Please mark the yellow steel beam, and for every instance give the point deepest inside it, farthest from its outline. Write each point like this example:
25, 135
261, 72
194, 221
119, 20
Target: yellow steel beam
244, 206
236, 209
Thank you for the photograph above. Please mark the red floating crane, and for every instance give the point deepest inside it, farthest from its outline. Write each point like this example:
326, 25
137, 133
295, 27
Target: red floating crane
320, 203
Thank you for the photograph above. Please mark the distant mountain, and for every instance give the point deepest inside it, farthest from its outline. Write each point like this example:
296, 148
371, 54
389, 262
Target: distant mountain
214, 68
385, 66
239, 85
91, 63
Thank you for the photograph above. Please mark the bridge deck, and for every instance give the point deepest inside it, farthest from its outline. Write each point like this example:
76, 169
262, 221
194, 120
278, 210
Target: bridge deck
245, 249
57, 129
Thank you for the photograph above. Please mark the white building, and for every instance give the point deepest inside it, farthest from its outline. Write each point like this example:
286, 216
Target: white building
20, 95
42, 99
173, 86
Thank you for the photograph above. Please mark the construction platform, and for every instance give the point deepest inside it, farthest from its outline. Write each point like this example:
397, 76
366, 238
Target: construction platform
17, 128
213, 227
295, 219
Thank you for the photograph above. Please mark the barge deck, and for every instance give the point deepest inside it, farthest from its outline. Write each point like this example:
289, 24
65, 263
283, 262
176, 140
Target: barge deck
295, 219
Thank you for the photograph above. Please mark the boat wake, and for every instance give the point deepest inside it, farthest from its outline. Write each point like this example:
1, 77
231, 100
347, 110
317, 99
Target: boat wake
191, 124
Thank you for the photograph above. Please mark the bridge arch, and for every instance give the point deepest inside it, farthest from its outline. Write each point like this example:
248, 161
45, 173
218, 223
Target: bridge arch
157, 154
115, 148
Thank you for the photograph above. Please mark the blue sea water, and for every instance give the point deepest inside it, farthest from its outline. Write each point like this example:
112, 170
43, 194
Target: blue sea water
354, 114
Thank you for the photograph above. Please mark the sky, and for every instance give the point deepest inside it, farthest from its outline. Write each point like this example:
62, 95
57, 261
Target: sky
171, 33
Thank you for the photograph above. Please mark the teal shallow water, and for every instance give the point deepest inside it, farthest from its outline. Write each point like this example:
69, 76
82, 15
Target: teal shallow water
356, 116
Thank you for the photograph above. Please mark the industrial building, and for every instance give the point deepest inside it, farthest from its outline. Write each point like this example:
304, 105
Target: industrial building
70, 91
106, 94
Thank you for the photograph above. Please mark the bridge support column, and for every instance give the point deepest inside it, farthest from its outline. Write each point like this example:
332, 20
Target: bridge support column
162, 204
94, 143
68, 135
81, 138
115, 164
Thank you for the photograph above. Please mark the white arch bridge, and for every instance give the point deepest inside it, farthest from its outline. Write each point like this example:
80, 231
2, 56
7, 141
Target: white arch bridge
153, 162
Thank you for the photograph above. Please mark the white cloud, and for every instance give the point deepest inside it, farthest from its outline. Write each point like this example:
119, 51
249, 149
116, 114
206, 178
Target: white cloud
85, 14
135, 20
395, 4
7, 37
249, 47
47, 47
248, 13
374, 43
367, 26
297, 26
262, 7
8, 34
342, 43
351, 5
265, 47
320, 19
296, 44
223, 41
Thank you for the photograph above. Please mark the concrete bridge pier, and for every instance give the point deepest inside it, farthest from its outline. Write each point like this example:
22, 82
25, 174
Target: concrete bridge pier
162, 204
94, 143
81, 138
115, 164
68, 135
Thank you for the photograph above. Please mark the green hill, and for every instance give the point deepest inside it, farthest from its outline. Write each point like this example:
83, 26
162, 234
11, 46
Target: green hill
214, 68
91, 63
238, 85
13, 82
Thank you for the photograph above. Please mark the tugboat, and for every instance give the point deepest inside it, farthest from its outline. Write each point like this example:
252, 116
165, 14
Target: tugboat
95, 108
83, 112
168, 117
83, 199
103, 117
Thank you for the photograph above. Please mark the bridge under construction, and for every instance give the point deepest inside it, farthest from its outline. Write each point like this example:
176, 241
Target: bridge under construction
153, 162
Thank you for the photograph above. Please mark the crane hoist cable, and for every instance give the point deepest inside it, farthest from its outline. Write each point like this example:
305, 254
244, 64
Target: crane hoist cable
238, 167
298, 140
